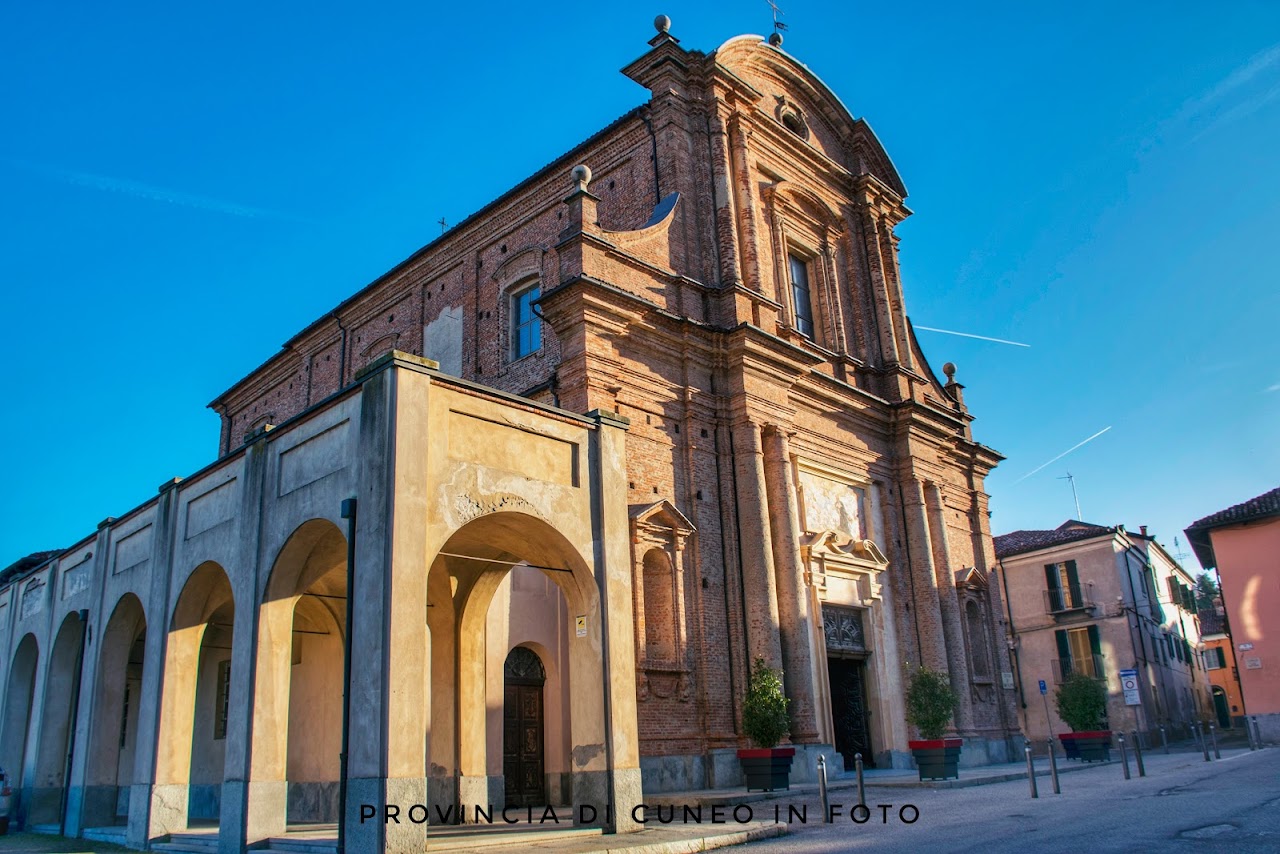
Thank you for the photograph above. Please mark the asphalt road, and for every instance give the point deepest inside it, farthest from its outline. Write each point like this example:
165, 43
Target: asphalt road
1184, 804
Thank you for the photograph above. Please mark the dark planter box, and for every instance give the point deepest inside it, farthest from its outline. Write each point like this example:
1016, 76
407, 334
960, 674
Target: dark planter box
767, 768
937, 758
1093, 746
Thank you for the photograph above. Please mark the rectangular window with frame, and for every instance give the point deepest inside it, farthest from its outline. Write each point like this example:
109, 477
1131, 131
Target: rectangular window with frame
221, 701
1214, 659
801, 298
526, 326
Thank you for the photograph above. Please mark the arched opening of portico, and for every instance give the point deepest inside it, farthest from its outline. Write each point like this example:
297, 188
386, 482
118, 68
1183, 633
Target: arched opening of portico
113, 732
195, 703
55, 726
297, 725
17, 717
549, 604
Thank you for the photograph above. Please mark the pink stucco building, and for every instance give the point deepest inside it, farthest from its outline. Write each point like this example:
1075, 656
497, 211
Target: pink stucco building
1243, 544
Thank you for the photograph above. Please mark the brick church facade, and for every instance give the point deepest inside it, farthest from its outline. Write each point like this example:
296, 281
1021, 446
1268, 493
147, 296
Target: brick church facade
767, 468
728, 280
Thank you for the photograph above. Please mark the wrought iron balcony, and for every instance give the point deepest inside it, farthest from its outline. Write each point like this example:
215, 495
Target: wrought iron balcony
1074, 597
1093, 665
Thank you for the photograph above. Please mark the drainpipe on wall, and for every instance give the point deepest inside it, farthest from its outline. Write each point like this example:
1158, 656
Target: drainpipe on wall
75, 716
1013, 634
348, 513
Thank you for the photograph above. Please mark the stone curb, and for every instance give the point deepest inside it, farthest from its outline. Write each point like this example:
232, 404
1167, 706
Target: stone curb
699, 843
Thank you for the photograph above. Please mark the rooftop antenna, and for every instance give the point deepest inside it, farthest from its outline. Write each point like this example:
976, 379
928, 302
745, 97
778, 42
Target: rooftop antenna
1070, 478
775, 38
1179, 555
443, 225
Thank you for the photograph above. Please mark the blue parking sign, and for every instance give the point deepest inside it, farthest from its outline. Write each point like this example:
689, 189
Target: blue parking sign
1044, 689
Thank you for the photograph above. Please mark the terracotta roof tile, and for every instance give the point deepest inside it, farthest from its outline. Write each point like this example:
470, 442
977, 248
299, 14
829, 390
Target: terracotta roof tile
1018, 542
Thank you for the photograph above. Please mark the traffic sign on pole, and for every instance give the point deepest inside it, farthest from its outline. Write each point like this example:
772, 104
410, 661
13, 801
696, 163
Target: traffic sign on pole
1044, 689
1129, 684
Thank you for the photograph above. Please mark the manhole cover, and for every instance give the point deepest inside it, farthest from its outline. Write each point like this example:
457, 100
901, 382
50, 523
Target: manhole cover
1207, 832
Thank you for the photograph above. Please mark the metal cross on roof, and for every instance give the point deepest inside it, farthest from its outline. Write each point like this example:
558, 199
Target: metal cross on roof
778, 26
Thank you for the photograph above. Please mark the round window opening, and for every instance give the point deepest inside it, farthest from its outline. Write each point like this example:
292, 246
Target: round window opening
794, 123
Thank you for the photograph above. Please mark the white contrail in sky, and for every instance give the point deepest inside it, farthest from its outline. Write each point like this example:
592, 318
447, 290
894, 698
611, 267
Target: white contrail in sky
970, 335
139, 190
1063, 454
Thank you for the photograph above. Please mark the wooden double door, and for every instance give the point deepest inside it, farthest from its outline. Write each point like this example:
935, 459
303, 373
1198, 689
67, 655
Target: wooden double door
523, 742
849, 709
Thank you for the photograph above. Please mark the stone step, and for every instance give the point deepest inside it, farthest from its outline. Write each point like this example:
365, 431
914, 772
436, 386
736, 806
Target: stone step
46, 829
318, 845
114, 835
496, 838
196, 843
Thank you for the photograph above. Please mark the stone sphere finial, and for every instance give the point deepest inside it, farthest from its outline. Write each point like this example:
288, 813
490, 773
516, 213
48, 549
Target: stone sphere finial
950, 370
775, 39
582, 175
662, 24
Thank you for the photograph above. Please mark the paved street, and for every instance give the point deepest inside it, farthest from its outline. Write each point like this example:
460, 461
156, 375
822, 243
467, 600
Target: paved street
1184, 804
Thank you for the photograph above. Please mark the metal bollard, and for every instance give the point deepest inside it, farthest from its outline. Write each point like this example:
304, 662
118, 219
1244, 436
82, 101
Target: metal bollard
1195, 732
1164, 739
1248, 731
1257, 732
1053, 768
1137, 753
1213, 736
1031, 770
862, 789
1124, 756
1204, 744
822, 789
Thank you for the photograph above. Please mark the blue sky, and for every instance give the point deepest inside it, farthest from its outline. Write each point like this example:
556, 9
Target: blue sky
183, 187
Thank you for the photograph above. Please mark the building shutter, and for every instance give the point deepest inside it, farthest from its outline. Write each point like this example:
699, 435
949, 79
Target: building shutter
1095, 644
1051, 577
1064, 650
1073, 578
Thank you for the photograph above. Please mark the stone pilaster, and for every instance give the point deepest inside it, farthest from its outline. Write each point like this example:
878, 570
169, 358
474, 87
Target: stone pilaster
760, 591
794, 615
949, 608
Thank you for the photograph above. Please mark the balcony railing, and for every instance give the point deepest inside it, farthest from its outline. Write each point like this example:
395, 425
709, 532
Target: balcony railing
1074, 597
1093, 666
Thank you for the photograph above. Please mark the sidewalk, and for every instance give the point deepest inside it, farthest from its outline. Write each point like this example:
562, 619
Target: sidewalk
901, 778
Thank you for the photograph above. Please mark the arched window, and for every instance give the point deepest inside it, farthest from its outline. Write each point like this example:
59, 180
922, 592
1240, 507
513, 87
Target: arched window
659, 607
979, 653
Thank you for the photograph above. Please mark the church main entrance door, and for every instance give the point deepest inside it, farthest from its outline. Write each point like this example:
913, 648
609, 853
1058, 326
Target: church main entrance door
522, 725
849, 709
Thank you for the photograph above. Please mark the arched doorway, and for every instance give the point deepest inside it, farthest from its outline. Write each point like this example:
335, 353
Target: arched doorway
195, 703
300, 666
113, 732
1221, 708
17, 717
523, 725
511, 551
60, 691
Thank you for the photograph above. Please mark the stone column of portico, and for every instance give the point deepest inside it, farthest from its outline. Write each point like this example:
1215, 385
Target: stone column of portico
933, 646
162, 759
389, 699
949, 609
86, 806
252, 807
760, 590
610, 528
793, 599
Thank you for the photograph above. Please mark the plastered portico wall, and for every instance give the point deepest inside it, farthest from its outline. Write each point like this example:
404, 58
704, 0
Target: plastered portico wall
215, 568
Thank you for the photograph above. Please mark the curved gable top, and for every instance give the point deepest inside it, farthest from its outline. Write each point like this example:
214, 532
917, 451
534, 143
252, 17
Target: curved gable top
751, 51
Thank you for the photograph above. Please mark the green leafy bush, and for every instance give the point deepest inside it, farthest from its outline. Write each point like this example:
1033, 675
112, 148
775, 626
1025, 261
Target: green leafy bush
930, 702
1081, 702
764, 712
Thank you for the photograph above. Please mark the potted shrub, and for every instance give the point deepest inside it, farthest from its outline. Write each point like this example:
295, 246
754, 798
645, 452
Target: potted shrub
766, 721
930, 704
1082, 704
